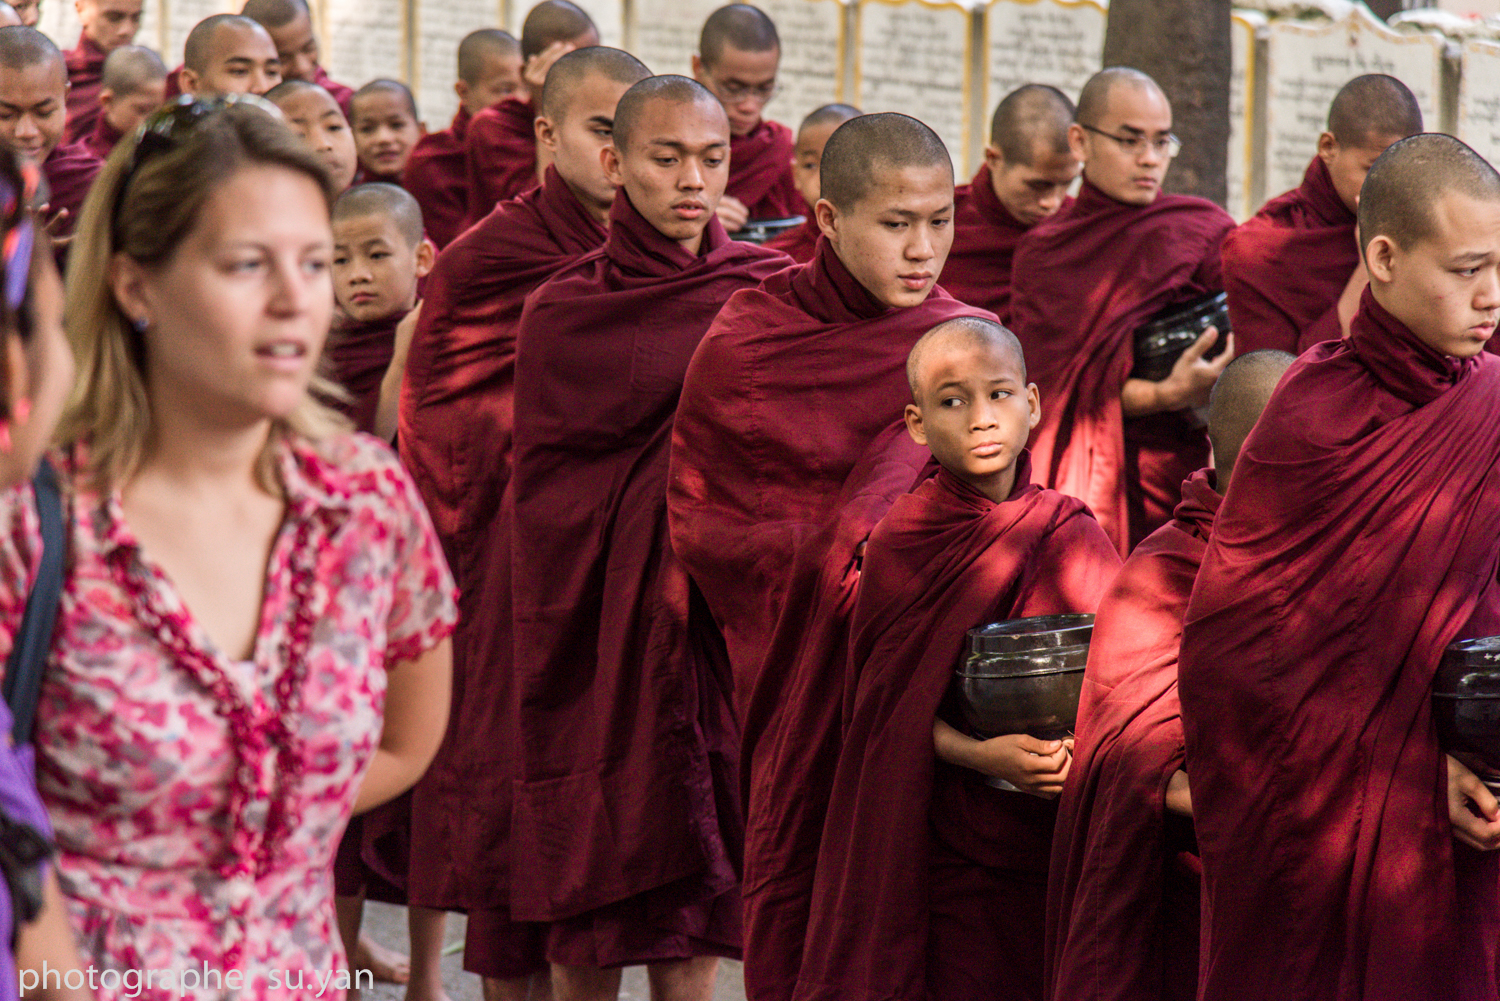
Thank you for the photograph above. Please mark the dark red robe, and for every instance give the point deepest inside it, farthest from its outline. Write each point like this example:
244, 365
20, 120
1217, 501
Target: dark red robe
1123, 894
102, 141
500, 155
985, 236
931, 883
1285, 268
760, 171
1082, 283
627, 830
85, 62
437, 175
70, 171
799, 244
791, 384
1359, 537
358, 354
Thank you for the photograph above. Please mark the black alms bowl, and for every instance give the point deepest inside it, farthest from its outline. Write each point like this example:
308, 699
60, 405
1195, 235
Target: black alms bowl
1161, 340
1024, 676
1466, 699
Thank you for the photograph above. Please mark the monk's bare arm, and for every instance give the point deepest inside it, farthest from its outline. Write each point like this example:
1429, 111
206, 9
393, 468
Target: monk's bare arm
1465, 795
387, 408
1036, 766
416, 714
1188, 384
1179, 796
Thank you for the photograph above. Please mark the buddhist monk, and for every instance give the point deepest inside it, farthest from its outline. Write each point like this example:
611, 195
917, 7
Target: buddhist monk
134, 85
931, 881
1123, 894
738, 55
1028, 168
383, 115
501, 145
314, 115
227, 54
1290, 268
106, 25
289, 23
29, 12
1086, 280
489, 70
1344, 854
800, 243
455, 436
627, 826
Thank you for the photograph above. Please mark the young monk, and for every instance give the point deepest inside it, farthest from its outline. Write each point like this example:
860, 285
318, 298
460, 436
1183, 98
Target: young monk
455, 437
135, 84
314, 115
383, 115
1028, 168
28, 12
501, 151
227, 54
489, 70
738, 55
106, 25
932, 882
289, 23
1293, 271
1121, 445
618, 690
1123, 894
1344, 855
800, 243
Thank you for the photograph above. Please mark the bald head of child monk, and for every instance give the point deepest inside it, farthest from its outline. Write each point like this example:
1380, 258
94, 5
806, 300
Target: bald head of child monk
576, 119
1368, 114
134, 85
670, 154
1031, 162
33, 93
1123, 135
317, 118
1242, 392
971, 403
379, 251
229, 54
738, 56
489, 69
1429, 228
109, 24
807, 155
383, 116
289, 23
887, 205
552, 29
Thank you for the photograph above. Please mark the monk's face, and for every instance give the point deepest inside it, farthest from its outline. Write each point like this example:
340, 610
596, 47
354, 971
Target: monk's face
110, 23
375, 268
296, 47
125, 111
315, 116
974, 409
1134, 115
744, 82
1032, 191
34, 108
500, 79
1348, 165
241, 60
807, 158
385, 131
895, 239
675, 168
578, 139
29, 11
1446, 286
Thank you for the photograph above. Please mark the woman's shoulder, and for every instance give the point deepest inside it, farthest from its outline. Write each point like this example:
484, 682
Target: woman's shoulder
346, 468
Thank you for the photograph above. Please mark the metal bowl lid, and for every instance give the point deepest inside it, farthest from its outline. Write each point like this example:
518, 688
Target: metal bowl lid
1481, 652
1185, 314
1040, 632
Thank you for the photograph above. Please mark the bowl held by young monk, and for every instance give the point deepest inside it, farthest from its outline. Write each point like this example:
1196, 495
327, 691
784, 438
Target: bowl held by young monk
761, 230
1161, 340
1466, 705
1024, 676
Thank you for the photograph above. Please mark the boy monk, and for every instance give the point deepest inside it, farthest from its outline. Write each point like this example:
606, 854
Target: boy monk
135, 84
227, 54
1344, 855
626, 824
106, 25
1121, 445
455, 437
1028, 167
501, 142
489, 70
931, 881
383, 116
313, 114
1289, 268
289, 23
812, 136
1123, 893
738, 55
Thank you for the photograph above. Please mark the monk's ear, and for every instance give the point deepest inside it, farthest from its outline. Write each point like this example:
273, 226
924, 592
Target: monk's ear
426, 257
187, 81
461, 88
994, 159
1034, 401
1380, 259
609, 159
699, 73
914, 424
1077, 144
827, 216
1328, 147
546, 135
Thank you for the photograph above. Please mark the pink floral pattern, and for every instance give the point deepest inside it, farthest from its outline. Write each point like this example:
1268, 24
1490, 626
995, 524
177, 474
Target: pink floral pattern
197, 800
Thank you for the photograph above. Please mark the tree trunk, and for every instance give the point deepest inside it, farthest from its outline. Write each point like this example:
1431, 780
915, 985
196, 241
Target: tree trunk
1184, 46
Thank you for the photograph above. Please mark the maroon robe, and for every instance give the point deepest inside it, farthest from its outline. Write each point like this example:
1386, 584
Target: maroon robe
70, 171
801, 243
1359, 537
500, 155
792, 383
1082, 283
85, 63
985, 236
102, 141
626, 831
1122, 907
1285, 268
437, 175
931, 883
760, 171
358, 355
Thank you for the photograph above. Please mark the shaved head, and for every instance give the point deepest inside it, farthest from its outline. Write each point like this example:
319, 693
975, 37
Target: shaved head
553, 21
738, 26
575, 67
385, 86
22, 48
1371, 107
1093, 100
387, 200
1404, 185
963, 331
288, 88
200, 41
863, 146
1243, 389
275, 13
479, 48
131, 68
830, 114
654, 89
1029, 120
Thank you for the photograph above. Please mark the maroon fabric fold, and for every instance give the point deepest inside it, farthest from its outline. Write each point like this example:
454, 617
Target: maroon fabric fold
70, 171
903, 830
629, 748
792, 383
437, 175
985, 236
500, 155
760, 171
85, 63
1082, 283
102, 141
1122, 867
799, 244
358, 355
1358, 538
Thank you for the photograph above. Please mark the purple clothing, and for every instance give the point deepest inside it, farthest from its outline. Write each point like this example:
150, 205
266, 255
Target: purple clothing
19, 801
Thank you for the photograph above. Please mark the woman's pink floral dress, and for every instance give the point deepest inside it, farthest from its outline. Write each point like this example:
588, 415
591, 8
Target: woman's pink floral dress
198, 801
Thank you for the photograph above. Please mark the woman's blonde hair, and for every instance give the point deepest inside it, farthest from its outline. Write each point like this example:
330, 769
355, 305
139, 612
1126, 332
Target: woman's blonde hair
110, 409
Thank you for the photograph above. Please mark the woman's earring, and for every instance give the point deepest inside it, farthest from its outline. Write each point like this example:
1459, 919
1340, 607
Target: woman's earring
140, 323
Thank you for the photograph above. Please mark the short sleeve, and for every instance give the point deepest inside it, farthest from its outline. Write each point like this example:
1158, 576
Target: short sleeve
424, 599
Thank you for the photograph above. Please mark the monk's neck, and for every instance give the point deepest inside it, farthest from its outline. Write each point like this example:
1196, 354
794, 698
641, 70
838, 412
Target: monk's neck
997, 486
597, 212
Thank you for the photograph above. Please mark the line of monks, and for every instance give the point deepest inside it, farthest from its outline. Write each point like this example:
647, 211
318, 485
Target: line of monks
722, 515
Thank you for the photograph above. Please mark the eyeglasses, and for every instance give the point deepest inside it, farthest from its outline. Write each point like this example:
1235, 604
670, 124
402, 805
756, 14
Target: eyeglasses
1167, 146
733, 93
